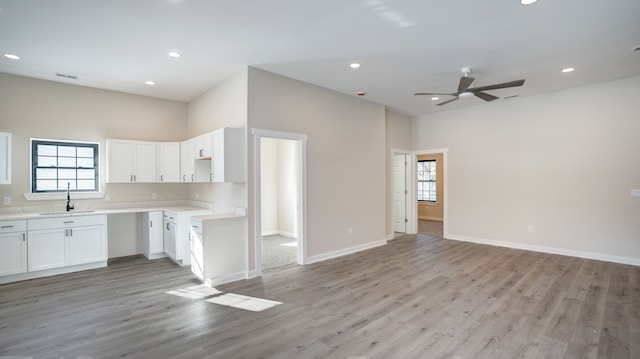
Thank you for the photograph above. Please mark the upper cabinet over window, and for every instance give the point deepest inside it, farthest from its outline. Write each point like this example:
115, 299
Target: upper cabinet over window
5, 158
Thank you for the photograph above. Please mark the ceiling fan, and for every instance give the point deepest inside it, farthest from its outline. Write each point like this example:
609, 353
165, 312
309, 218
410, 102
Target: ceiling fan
465, 91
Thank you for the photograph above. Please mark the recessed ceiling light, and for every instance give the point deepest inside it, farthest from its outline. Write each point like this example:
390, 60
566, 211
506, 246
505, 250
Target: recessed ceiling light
150, 83
354, 65
568, 69
528, 2
12, 56
174, 54
435, 98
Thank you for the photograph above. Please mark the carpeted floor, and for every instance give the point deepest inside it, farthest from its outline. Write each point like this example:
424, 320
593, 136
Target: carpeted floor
278, 251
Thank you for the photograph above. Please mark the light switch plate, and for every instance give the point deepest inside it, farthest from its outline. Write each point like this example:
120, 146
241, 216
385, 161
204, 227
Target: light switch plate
635, 193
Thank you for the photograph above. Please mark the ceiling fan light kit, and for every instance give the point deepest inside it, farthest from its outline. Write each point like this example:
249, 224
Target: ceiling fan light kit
465, 91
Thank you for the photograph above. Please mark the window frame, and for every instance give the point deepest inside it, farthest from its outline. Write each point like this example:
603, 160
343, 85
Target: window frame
34, 164
435, 181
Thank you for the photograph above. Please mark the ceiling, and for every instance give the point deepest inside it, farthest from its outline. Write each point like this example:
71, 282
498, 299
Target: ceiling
404, 46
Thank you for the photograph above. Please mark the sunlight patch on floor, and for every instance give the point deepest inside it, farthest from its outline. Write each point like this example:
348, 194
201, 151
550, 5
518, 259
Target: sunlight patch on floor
215, 296
291, 244
195, 292
243, 302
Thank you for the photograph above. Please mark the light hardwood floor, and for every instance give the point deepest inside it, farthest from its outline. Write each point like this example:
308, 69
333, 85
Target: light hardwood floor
417, 297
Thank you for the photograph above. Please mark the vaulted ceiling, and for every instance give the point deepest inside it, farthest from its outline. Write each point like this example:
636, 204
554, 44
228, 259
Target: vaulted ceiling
403, 47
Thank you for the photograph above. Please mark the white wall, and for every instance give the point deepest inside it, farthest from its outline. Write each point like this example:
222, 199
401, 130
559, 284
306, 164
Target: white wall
346, 158
225, 105
278, 187
563, 162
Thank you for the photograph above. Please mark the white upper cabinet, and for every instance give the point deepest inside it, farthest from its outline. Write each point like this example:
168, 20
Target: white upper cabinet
5, 158
168, 162
228, 161
203, 146
131, 161
187, 168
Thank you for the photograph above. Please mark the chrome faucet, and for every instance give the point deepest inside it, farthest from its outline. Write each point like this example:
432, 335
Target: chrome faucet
69, 204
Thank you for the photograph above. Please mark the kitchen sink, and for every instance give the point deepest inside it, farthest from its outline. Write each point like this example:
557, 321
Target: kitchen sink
59, 213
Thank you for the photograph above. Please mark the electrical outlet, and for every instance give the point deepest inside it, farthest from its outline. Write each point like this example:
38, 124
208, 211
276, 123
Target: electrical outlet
154, 195
6, 201
107, 196
530, 229
350, 231
197, 196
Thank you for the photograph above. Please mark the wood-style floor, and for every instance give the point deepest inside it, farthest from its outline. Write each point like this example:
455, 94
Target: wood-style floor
417, 297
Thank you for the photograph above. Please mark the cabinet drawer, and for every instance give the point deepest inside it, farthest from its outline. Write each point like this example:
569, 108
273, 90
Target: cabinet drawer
13, 226
196, 226
66, 222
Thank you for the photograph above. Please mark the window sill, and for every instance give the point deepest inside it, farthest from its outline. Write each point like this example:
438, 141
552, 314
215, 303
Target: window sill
430, 204
62, 195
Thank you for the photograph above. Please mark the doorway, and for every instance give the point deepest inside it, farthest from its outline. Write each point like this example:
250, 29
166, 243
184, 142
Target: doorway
280, 197
279, 201
431, 192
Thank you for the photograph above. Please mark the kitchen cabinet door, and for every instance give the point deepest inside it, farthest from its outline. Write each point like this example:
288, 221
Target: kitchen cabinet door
168, 164
87, 244
120, 161
170, 238
187, 167
13, 253
228, 160
145, 162
46, 249
152, 235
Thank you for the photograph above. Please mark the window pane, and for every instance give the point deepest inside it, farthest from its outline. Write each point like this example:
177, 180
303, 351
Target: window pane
85, 152
85, 162
62, 184
86, 174
67, 174
46, 185
86, 184
47, 161
47, 150
46, 173
66, 151
66, 162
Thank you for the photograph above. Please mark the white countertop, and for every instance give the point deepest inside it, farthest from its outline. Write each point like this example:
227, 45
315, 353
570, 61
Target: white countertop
93, 211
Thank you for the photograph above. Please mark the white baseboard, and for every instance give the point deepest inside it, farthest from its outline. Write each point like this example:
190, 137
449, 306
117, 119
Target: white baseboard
550, 250
50, 272
226, 278
274, 232
251, 274
345, 251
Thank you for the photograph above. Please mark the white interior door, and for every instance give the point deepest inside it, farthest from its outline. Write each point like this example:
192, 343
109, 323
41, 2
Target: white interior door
400, 193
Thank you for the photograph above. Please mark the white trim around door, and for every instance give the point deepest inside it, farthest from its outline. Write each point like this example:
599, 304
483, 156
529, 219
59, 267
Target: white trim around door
301, 144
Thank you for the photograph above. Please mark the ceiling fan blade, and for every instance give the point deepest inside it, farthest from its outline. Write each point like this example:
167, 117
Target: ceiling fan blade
446, 102
465, 82
485, 96
497, 86
433, 94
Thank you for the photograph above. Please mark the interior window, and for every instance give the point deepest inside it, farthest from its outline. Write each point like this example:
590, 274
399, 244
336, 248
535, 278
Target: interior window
427, 180
58, 164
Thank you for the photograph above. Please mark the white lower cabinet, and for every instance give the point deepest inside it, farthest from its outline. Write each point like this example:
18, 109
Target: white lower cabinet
152, 235
47, 249
66, 241
13, 247
170, 235
218, 249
